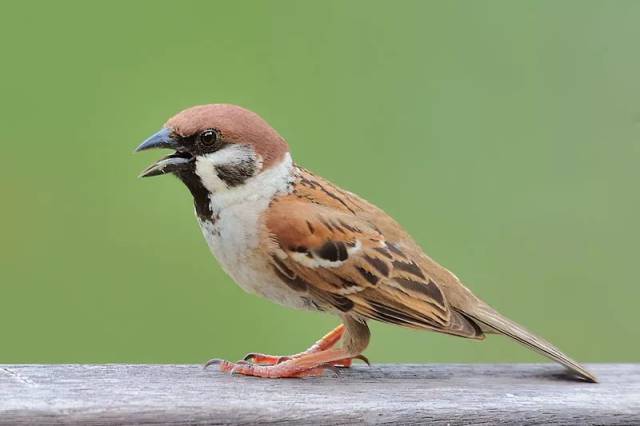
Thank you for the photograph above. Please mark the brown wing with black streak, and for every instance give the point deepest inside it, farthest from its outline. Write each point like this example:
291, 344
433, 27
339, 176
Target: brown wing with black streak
345, 261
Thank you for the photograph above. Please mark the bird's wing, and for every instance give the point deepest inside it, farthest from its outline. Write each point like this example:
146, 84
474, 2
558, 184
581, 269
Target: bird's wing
343, 262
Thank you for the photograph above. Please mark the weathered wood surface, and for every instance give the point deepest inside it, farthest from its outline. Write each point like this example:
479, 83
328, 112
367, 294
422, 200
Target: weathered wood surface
437, 394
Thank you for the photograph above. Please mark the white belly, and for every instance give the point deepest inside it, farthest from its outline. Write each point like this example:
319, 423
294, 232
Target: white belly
233, 240
234, 233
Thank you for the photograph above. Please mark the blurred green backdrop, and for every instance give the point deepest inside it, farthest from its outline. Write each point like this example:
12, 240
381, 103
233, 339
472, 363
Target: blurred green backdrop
504, 135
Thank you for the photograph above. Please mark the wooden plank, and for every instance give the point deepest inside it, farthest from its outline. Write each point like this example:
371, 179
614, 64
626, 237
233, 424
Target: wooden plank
437, 394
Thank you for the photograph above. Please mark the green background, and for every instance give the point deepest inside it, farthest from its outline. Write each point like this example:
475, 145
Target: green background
504, 135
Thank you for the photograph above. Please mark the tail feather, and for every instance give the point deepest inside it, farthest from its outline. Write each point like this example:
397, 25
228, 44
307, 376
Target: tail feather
495, 322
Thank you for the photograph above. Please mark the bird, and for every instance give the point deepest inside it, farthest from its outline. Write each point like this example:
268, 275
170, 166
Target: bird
289, 235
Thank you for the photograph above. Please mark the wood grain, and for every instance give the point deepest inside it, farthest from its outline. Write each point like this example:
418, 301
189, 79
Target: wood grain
436, 394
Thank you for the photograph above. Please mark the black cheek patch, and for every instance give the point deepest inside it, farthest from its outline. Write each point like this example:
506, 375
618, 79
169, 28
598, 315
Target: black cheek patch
236, 174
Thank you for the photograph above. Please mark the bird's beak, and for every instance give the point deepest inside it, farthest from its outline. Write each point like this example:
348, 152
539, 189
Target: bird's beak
169, 164
160, 139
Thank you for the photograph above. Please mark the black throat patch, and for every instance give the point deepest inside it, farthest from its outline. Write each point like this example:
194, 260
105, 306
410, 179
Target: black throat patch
199, 192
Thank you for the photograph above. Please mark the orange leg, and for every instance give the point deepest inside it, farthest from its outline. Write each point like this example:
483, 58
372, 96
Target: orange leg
312, 362
327, 341
307, 365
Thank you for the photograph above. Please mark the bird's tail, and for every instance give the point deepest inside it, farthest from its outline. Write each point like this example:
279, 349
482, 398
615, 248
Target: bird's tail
492, 321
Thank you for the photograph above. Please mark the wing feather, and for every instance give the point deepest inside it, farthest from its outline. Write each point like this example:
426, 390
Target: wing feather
344, 263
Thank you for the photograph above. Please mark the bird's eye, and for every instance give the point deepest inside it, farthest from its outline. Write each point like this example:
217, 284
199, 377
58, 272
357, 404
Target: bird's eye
209, 137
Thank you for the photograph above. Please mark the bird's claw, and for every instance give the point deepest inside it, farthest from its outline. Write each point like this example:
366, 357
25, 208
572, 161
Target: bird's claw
224, 365
363, 359
259, 358
237, 366
334, 369
211, 362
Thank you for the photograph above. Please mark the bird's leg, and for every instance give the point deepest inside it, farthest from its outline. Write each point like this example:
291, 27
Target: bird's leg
310, 363
327, 341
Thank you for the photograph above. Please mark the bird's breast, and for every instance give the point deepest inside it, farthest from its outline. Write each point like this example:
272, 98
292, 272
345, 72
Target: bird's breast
234, 238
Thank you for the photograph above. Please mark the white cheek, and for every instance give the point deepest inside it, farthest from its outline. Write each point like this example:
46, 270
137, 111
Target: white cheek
208, 175
229, 155
258, 189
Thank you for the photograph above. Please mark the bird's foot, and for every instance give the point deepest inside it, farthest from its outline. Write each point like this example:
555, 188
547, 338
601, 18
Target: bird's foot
313, 362
264, 359
328, 341
284, 369
307, 365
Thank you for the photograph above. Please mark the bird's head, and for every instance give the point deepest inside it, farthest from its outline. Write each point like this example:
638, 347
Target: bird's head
218, 145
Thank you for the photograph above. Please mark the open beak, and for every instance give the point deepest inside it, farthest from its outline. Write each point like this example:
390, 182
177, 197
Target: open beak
175, 162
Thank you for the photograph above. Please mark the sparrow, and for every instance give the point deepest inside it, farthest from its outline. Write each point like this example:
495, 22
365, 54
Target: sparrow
286, 234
